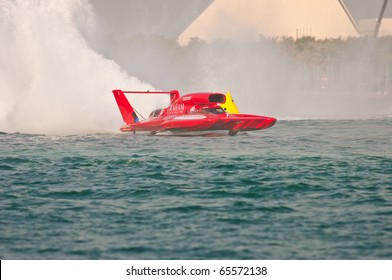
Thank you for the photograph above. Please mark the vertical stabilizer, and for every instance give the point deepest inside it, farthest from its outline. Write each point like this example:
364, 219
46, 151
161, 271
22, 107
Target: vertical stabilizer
126, 110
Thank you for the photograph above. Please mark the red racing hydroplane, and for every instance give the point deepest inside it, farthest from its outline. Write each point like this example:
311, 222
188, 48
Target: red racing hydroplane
193, 112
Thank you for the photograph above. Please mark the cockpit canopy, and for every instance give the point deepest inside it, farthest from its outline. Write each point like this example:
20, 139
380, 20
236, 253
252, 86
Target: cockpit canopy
155, 113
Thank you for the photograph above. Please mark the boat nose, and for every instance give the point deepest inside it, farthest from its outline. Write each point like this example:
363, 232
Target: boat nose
271, 121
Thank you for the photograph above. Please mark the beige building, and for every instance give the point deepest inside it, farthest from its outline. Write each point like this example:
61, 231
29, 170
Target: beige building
249, 19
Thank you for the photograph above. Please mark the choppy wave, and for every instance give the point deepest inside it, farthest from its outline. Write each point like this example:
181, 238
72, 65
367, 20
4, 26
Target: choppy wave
300, 190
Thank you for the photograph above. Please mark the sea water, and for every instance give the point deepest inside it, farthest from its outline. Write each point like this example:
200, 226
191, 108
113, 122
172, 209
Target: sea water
305, 189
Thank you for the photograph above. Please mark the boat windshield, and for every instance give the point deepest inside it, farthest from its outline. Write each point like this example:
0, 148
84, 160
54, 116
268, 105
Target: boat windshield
216, 110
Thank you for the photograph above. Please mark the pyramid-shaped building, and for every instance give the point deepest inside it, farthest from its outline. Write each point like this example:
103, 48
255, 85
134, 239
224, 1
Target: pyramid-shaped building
249, 19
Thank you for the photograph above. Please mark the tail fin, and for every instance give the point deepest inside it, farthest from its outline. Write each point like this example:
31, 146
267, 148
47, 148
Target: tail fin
229, 105
128, 113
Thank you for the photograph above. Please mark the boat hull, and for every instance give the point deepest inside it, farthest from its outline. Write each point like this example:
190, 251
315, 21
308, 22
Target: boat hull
190, 123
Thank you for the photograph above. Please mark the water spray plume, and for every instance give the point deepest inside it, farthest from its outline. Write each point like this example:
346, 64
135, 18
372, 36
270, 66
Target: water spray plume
50, 80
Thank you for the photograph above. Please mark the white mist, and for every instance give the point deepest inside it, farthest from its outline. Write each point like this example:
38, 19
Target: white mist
51, 82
